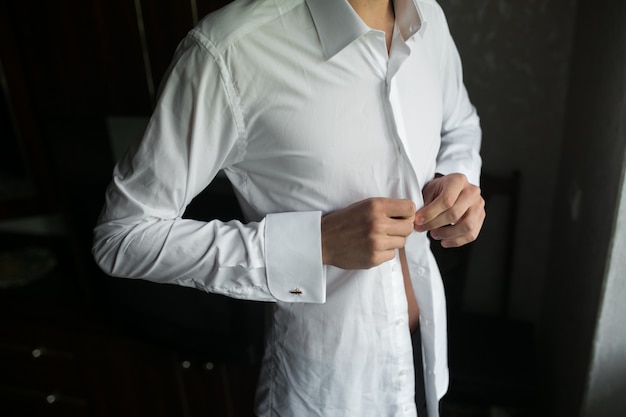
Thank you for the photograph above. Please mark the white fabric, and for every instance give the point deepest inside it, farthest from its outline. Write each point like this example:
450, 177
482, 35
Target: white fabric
301, 105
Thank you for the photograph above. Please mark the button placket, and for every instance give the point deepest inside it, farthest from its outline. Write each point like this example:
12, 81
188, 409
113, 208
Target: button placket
410, 182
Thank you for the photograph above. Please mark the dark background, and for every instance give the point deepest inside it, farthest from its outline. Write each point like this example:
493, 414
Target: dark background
548, 79
76, 342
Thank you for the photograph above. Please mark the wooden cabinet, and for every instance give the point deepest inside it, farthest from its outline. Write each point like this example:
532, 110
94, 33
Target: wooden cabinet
77, 343
41, 374
48, 370
217, 388
63, 351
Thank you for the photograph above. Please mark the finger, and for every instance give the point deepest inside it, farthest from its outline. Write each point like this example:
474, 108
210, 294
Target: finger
385, 227
391, 244
439, 205
462, 228
463, 232
399, 227
460, 240
398, 208
384, 250
450, 212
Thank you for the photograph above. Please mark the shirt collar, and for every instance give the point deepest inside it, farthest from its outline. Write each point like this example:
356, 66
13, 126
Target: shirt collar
338, 25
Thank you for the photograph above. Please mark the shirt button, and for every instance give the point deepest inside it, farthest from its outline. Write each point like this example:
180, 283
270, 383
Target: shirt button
399, 322
403, 372
394, 267
421, 271
425, 322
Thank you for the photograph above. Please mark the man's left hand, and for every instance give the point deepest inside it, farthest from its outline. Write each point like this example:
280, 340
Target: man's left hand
453, 212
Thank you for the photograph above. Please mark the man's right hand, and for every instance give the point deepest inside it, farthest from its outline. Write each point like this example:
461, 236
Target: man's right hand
366, 233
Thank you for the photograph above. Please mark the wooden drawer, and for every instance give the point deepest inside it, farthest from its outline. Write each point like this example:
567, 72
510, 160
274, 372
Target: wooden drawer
39, 372
39, 367
20, 401
217, 388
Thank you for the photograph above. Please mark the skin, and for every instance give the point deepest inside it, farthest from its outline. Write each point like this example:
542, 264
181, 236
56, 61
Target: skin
377, 14
368, 233
453, 212
372, 231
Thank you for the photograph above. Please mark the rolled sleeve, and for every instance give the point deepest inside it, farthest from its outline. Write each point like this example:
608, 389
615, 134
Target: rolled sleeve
293, 252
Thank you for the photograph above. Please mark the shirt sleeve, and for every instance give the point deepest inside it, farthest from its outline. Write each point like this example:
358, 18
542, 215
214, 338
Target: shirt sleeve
193, 133
460, 132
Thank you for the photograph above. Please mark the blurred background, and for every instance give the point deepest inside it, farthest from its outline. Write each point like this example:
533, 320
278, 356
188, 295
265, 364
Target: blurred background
535, 305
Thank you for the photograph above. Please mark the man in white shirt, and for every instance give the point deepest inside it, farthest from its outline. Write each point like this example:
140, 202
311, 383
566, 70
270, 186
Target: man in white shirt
347, 133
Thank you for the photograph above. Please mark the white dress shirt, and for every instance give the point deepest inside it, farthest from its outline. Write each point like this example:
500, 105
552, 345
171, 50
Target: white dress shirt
306, 112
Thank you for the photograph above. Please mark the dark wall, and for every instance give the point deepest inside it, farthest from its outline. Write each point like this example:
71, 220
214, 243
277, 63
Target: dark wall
590, 179
67, 66
516, 57
70, 64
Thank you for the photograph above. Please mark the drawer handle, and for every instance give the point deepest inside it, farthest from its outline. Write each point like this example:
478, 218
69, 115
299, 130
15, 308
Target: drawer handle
209, 366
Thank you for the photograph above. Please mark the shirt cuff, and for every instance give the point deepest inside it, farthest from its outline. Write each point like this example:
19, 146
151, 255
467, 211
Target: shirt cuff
293, 257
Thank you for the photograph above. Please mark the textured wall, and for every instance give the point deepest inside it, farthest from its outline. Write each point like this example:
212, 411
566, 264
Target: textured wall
607, 376
582, 337
516, 57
